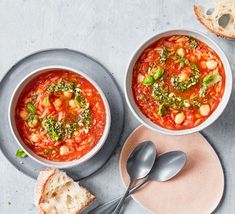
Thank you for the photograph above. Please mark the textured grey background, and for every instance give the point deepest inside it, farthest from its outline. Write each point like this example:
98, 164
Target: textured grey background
109, 31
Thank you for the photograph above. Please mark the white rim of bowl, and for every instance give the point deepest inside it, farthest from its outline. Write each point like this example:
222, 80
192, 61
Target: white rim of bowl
220, 108
39, 159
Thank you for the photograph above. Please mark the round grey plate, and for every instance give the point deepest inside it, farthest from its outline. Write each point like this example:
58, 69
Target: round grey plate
76, 60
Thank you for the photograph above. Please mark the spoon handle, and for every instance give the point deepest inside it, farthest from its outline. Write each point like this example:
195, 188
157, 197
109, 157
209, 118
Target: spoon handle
110, 206
121, 202
137, 187
107, 207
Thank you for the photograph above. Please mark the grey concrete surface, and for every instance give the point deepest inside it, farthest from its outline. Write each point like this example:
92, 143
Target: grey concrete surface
109, 31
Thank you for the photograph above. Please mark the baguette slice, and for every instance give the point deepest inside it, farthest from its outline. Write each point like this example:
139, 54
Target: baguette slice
211, 21
57, 193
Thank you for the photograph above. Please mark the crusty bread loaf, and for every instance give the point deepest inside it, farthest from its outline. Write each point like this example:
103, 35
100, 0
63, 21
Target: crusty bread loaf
211, 20
56, 193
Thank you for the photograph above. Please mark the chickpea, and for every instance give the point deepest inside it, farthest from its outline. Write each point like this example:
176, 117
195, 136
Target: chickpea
57, 103
205, 110
140, 78
203, 65
72, 103
186, 104
76, 133
34, 138
211, 64
61, 116
46, 102
24, 115
193, 58
68, 94
64, 150
181, 52
179, 118
33, 123
183, 77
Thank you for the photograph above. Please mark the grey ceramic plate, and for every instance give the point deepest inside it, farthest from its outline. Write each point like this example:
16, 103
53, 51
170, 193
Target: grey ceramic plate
78, 61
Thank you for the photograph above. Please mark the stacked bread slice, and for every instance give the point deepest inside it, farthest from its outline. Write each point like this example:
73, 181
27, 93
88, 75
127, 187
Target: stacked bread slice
56, 193
220, 19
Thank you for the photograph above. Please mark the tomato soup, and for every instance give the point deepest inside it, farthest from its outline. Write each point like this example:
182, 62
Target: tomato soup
178, 82
60, 115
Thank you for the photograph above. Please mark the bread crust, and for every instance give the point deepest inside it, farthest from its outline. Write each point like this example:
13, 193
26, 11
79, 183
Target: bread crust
43, 179
202, 21
91, 199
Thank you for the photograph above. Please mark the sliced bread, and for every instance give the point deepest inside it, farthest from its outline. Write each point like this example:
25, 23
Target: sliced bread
57, 193
211, 19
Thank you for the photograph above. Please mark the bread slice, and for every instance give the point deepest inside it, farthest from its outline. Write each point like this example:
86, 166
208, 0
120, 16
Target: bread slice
57, 193
211, 20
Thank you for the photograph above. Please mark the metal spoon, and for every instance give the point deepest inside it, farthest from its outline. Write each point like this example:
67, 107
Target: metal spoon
165, 167
138, 165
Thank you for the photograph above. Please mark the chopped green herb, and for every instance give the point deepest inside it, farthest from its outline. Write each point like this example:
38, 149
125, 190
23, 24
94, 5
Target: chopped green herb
148, 80
85, 119
159, 73
151, 67
58, 131
53, 128
34, 98
80, 101
163, 96
211, 79
193, 42
164, 55
31, 108
162, 110
208, 81
193, 79
32, 117
46, 101
20, 153
143, 97
70, 128
182, 61
63, 86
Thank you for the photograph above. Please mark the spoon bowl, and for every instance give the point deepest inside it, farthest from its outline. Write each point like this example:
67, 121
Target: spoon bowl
167, 166
141, 160
138, 165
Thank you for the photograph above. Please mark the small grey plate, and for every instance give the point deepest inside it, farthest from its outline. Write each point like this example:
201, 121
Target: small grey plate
75, 60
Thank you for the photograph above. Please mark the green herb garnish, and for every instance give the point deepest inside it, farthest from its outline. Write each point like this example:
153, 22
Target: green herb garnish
163, 96
63, 87
53, 128
20, 153
164, 55
158, 73
162, 110
208, 81
32, 117
148, 80
193, 79
31, 108
193, 42
46, 101
211, 79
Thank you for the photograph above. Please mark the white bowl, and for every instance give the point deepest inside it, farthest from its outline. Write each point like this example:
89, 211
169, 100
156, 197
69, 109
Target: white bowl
128, 83
29, 152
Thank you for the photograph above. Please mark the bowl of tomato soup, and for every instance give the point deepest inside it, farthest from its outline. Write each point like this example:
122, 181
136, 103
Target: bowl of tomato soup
178, 82
59, 116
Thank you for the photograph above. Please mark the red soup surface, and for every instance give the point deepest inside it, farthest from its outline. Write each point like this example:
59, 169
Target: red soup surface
178, 82
60, 115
